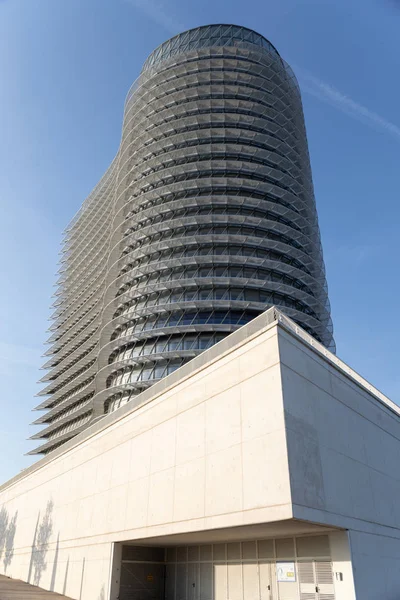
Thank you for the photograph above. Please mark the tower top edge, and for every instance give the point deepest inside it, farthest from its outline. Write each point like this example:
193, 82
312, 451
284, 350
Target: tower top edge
206, 36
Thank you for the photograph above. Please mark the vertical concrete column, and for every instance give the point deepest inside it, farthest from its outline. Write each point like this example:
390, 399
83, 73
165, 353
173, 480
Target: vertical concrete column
342, 567
115, 571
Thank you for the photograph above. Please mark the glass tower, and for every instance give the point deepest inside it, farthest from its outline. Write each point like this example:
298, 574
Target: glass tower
205, 219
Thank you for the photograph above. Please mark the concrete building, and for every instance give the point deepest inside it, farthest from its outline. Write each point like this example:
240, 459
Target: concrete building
205, 219
198, 446
264, 469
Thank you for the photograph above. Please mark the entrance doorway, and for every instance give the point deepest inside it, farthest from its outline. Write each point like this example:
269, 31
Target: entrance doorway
142, 573
281, 569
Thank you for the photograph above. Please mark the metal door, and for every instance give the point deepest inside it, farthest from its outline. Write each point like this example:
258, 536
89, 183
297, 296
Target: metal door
193, 581
316, 580
251, 585
286, 589
307, 581
235, 581
324, 579
265, 580
220, 581
240, 579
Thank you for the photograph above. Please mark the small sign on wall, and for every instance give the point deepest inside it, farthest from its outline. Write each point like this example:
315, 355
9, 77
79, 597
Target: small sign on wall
285, 572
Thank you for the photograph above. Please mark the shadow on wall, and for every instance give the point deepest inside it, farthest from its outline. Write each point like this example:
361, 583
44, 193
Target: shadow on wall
82, 578
55, 563
40, 545
8, 527
66, 578
102, 595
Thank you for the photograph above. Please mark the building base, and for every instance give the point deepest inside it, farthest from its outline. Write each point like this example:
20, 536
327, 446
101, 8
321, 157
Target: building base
265, 469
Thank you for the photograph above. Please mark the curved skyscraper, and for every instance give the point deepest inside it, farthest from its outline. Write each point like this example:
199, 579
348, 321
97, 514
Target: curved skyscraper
204, 220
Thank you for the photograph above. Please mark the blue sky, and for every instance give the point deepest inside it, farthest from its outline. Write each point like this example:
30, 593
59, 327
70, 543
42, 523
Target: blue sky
66, 66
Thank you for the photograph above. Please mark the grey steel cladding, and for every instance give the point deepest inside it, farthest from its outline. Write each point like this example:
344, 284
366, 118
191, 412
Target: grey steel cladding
211, 218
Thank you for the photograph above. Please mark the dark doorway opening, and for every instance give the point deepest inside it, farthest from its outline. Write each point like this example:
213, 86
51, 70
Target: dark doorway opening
142, 573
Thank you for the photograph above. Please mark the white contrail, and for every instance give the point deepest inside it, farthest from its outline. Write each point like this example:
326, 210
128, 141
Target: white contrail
326, 92
310, 84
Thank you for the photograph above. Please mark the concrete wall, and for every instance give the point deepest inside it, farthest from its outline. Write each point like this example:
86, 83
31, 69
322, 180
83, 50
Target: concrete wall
376, 565
210, 453
262, 437
344, 448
